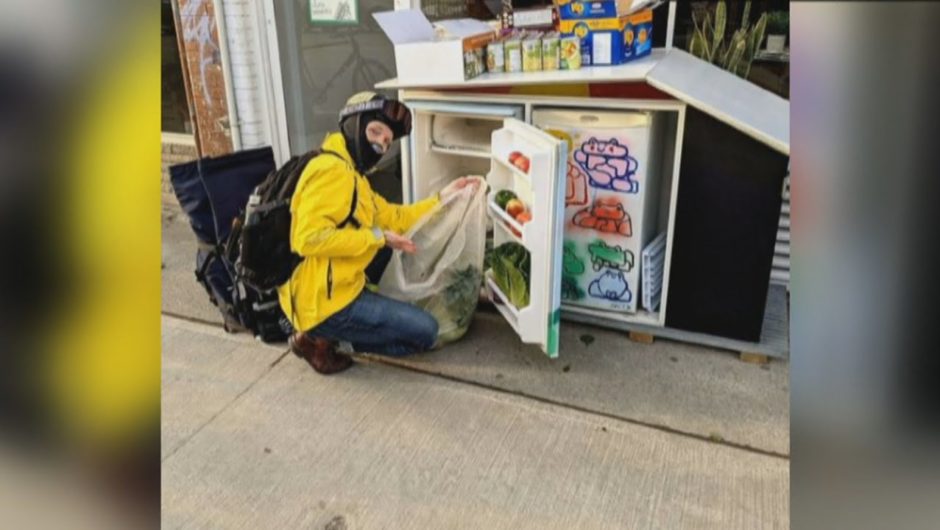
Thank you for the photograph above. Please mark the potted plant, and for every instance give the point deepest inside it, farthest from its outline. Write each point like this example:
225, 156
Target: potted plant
734, 54
778, 26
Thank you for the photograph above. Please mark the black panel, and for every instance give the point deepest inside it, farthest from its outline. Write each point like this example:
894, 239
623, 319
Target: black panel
726, 226
660, 21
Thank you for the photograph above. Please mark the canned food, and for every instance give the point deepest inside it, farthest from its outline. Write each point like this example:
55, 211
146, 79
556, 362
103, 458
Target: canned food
570, 52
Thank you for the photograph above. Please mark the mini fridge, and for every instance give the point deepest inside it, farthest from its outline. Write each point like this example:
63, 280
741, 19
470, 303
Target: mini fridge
612, 191
451, 140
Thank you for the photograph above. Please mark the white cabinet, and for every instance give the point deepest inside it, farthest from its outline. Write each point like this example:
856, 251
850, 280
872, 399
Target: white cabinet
471, 129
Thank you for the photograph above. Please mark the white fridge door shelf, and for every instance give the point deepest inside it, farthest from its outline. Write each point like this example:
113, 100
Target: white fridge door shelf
542, 189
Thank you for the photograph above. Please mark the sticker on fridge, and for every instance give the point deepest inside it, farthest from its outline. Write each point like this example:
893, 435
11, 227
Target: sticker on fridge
608, 164
606, 215
611, 285
572, 266
614, 257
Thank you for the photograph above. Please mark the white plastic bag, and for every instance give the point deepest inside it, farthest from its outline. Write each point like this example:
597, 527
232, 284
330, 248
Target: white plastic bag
445, 275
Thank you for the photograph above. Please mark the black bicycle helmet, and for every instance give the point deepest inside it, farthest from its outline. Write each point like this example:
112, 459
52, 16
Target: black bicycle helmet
363, 108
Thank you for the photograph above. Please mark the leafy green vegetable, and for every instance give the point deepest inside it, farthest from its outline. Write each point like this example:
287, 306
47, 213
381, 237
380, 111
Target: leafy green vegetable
453, 308
510, 266
518, 286
503, 197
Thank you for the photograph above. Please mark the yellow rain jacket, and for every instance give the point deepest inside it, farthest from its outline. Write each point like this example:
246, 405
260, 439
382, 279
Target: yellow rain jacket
332, 273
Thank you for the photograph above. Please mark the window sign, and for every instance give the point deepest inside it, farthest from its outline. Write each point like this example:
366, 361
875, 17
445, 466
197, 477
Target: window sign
334, 12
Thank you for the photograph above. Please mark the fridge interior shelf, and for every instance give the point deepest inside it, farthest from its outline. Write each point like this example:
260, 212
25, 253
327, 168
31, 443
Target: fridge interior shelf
459, 151
501, 302
504, 161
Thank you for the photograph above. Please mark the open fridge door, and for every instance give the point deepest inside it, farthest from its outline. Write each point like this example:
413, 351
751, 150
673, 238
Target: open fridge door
527, 166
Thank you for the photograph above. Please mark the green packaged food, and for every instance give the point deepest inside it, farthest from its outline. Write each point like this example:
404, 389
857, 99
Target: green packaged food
551, 51
532, 54
513, 50
495, 57
570, 52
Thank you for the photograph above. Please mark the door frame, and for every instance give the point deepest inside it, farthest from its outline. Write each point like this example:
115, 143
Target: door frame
273, 83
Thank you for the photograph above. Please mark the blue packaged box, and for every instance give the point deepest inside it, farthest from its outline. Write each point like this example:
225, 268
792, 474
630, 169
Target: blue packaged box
578, 9
611, 41
638, 35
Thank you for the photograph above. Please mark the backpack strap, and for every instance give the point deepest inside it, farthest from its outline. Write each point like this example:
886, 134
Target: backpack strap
351, 216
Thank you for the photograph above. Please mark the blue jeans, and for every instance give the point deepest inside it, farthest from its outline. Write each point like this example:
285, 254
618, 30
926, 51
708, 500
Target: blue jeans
376, 324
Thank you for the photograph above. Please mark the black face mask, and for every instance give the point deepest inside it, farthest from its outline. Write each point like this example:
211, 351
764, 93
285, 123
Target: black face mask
354, 131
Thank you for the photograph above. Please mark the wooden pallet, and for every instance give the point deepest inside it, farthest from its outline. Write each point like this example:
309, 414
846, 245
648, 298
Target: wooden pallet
745, 356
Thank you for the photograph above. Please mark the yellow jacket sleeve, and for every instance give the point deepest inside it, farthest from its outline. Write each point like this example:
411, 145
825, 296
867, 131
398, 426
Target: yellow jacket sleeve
398, 218
320, 206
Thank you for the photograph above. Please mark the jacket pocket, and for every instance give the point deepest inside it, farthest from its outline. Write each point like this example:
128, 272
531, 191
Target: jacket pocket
329, 279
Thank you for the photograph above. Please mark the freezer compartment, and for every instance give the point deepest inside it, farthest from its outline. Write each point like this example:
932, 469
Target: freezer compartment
450, 140
619, 180
462, 135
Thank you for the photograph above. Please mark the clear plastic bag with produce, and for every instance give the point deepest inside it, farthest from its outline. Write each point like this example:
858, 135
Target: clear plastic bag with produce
445, 276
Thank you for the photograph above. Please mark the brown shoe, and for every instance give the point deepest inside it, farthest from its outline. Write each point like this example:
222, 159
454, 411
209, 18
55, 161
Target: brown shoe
320, 354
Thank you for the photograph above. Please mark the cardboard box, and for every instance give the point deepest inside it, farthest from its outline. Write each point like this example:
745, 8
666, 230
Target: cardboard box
581, 9
611, 41
638, 35
449, 51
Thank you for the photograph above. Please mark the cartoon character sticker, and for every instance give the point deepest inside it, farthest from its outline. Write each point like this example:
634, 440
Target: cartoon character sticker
572, 266
608, 165
611, 285
576, 187
570, 289
605, 215
576, 190
604, 255
571, 263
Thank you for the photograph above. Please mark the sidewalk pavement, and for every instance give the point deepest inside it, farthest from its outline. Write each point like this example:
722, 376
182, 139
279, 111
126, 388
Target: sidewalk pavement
484, 433
252, 439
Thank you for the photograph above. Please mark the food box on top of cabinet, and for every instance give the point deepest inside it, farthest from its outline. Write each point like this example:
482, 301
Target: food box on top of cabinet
577, 9
449, 51
610, 41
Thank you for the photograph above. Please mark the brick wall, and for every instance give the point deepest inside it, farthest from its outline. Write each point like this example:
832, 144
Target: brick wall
173, 152
203, 62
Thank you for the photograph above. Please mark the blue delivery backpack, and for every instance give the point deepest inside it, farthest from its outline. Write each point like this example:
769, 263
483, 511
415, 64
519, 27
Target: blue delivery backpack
213, 192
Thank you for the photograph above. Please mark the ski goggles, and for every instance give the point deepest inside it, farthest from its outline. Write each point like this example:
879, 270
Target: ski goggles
392, 112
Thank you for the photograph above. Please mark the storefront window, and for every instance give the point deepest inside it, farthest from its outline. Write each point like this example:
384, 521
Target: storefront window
769, 69
323, 64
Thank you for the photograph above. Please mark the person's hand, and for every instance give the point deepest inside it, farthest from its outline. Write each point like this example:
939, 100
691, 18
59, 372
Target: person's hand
401, 243
456, 186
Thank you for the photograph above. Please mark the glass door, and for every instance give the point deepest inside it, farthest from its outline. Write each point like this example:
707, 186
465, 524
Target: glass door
324, 62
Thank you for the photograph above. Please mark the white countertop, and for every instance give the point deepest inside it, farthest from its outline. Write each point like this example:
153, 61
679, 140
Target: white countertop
745, 106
